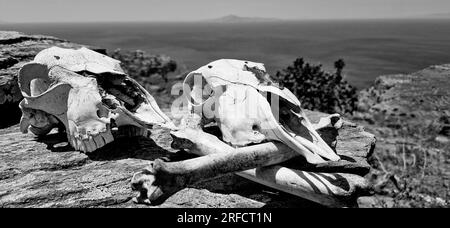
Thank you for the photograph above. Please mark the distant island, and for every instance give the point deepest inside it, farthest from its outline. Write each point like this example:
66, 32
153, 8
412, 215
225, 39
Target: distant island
238, 19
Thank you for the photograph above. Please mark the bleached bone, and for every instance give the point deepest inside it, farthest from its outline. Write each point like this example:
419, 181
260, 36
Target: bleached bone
162, 179
86, 92
240, 91
332, 121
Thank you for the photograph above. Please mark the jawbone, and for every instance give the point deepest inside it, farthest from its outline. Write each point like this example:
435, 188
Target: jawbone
94, 142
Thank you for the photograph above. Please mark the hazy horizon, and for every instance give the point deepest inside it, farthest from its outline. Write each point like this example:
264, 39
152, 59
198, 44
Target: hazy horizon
217, 20
85, 11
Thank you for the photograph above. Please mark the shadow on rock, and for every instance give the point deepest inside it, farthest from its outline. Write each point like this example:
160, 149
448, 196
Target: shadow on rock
329, 135
128, 147
10, 115
270, 198
56, 142
134, 147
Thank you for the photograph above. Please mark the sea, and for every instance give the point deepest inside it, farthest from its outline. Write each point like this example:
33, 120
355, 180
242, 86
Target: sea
370, 48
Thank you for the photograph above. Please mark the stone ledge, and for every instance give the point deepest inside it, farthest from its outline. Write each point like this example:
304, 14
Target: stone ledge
46, 172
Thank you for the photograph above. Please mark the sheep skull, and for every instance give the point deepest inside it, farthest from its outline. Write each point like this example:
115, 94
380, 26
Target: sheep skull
88, 94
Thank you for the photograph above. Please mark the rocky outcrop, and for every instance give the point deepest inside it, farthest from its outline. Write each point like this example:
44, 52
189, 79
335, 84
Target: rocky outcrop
139, 64
418, 99
16, 49
47, 172
410, 116
156, 73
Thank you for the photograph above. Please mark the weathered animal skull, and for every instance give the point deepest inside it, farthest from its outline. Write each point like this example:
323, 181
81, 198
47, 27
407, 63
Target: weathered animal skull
88, 94
245, 103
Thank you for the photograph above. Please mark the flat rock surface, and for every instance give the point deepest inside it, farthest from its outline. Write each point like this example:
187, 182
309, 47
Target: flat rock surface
47, 172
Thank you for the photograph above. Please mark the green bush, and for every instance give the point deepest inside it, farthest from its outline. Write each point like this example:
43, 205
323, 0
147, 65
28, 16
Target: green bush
317, 89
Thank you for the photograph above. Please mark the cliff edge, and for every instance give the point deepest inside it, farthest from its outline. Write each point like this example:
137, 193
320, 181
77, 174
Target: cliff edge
410, 116
420, 98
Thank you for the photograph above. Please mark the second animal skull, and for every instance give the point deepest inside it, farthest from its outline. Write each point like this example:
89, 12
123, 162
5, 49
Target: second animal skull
249, 107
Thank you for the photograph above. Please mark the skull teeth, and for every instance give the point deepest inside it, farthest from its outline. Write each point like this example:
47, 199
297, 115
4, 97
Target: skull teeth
92, 143
131, 131
98, 141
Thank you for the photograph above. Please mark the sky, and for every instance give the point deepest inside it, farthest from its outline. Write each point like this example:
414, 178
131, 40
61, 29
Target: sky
193, 10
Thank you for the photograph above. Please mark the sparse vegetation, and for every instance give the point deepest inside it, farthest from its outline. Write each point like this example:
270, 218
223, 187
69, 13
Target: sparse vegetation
156, 73
318, 89
410, 167
139, 64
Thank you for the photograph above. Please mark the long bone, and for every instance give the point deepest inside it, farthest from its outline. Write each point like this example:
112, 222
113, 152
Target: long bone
161, 179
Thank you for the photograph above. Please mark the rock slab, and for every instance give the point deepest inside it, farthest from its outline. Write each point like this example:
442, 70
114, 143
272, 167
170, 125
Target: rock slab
47, 172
